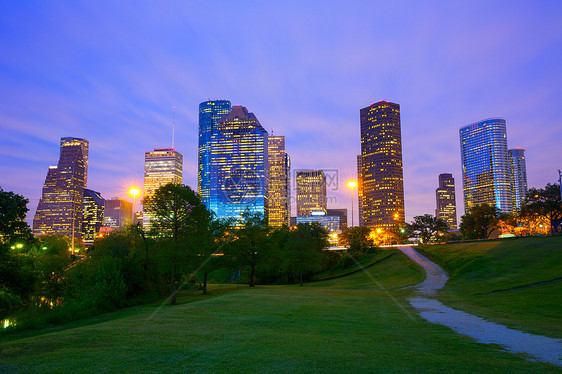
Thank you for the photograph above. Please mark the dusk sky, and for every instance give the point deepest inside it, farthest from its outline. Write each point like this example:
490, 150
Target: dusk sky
110, 72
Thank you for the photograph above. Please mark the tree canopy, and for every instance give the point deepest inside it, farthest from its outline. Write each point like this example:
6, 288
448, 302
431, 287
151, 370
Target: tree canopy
426, 227
479, 222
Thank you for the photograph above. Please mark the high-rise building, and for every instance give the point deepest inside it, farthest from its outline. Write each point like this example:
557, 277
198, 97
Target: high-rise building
446, 202
311, 192
93, 209
61, 203
161, 166
118, 213
238, 165
381, 179
341, 213
359, 192
518, 176
279, 189
209, 114
485, 166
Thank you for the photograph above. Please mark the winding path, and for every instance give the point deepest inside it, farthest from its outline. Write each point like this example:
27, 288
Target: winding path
538, 348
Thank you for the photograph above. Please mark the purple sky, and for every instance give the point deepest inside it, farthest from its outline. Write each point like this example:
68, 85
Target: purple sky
110, 72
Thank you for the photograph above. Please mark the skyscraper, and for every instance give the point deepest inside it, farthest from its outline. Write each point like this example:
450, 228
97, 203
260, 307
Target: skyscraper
381, 179
209, 114
485, 166
93, 209
311, 192
117, 212
518, 176
238, 165
279, 189
359, 192
446, 202
61, 203
161, 166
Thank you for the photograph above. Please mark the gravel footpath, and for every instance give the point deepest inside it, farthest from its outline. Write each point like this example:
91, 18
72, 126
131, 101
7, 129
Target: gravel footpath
536, 347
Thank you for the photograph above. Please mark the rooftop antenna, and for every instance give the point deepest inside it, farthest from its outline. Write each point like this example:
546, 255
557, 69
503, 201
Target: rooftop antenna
173, 124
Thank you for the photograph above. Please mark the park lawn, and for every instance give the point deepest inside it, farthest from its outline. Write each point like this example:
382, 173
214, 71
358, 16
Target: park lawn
314, 328
479, 270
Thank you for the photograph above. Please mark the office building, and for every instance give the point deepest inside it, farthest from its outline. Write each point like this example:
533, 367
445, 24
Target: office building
518, 177
92, 215
359, 193
381, 177
329, 223
117, 213
279, 189
161, 166
446, 202
238, 165
485, 165
209, 114
61, 204
341, 213
311, 192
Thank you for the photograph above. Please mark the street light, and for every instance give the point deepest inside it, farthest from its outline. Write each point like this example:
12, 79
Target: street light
352, 185
134, 192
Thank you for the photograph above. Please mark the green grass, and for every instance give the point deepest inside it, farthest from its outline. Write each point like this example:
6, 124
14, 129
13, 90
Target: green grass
338, 325
479, 269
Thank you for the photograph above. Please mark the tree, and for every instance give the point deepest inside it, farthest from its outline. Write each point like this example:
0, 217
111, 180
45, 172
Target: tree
248, 248
175, 210
13, 228
544, 202
479, 222
304, 246
425, 227
358, 239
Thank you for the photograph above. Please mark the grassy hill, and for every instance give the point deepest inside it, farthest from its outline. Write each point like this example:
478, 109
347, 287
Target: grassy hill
360, 323
516, 282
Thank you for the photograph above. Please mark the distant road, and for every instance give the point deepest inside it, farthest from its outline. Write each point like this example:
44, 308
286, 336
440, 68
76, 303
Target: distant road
539, 348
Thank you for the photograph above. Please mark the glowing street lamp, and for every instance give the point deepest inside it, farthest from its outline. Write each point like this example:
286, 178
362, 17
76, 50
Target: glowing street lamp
134, 191
352, 185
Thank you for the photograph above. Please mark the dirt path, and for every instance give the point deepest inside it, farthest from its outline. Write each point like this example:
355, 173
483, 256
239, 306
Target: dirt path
536, 347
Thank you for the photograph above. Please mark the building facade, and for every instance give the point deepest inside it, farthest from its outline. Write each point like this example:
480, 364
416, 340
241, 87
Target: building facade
381, 179
485, 165
446, 201
161, 166
279, 189
117, 212
518, 176
60, 207
342, 213
209, 114
238, 165
311, 192
93, 215
359, 191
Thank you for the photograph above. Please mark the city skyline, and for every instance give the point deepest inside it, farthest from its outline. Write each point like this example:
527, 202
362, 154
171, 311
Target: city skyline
116, 77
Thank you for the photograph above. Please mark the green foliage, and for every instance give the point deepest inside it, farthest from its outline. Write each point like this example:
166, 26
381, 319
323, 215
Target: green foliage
358, 239
426, 227
13, 227
544, 202
304, 246
52, 264
108, 287
479, 222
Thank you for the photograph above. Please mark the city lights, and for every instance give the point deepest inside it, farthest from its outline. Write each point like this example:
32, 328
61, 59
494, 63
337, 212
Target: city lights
133, 191
352, 185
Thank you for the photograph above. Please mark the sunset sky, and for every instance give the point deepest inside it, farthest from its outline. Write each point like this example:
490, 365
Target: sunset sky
111, 72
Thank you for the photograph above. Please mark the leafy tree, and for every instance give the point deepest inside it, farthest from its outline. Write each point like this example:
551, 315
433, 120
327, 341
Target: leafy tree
426, 227
304, 246
175, 210
251, 243
13, 228
52, 263
544, 202
358, 239
479, 222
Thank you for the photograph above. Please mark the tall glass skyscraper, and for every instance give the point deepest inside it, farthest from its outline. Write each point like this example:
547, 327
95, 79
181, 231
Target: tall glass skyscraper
238, 165
311, 192
518, 175
446, 202
279, 189
93, 210
209, 114
485, 166
381, 180
161, 166
60, 206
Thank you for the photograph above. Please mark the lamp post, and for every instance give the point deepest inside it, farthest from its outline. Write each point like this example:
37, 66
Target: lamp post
134, 192
352, 185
